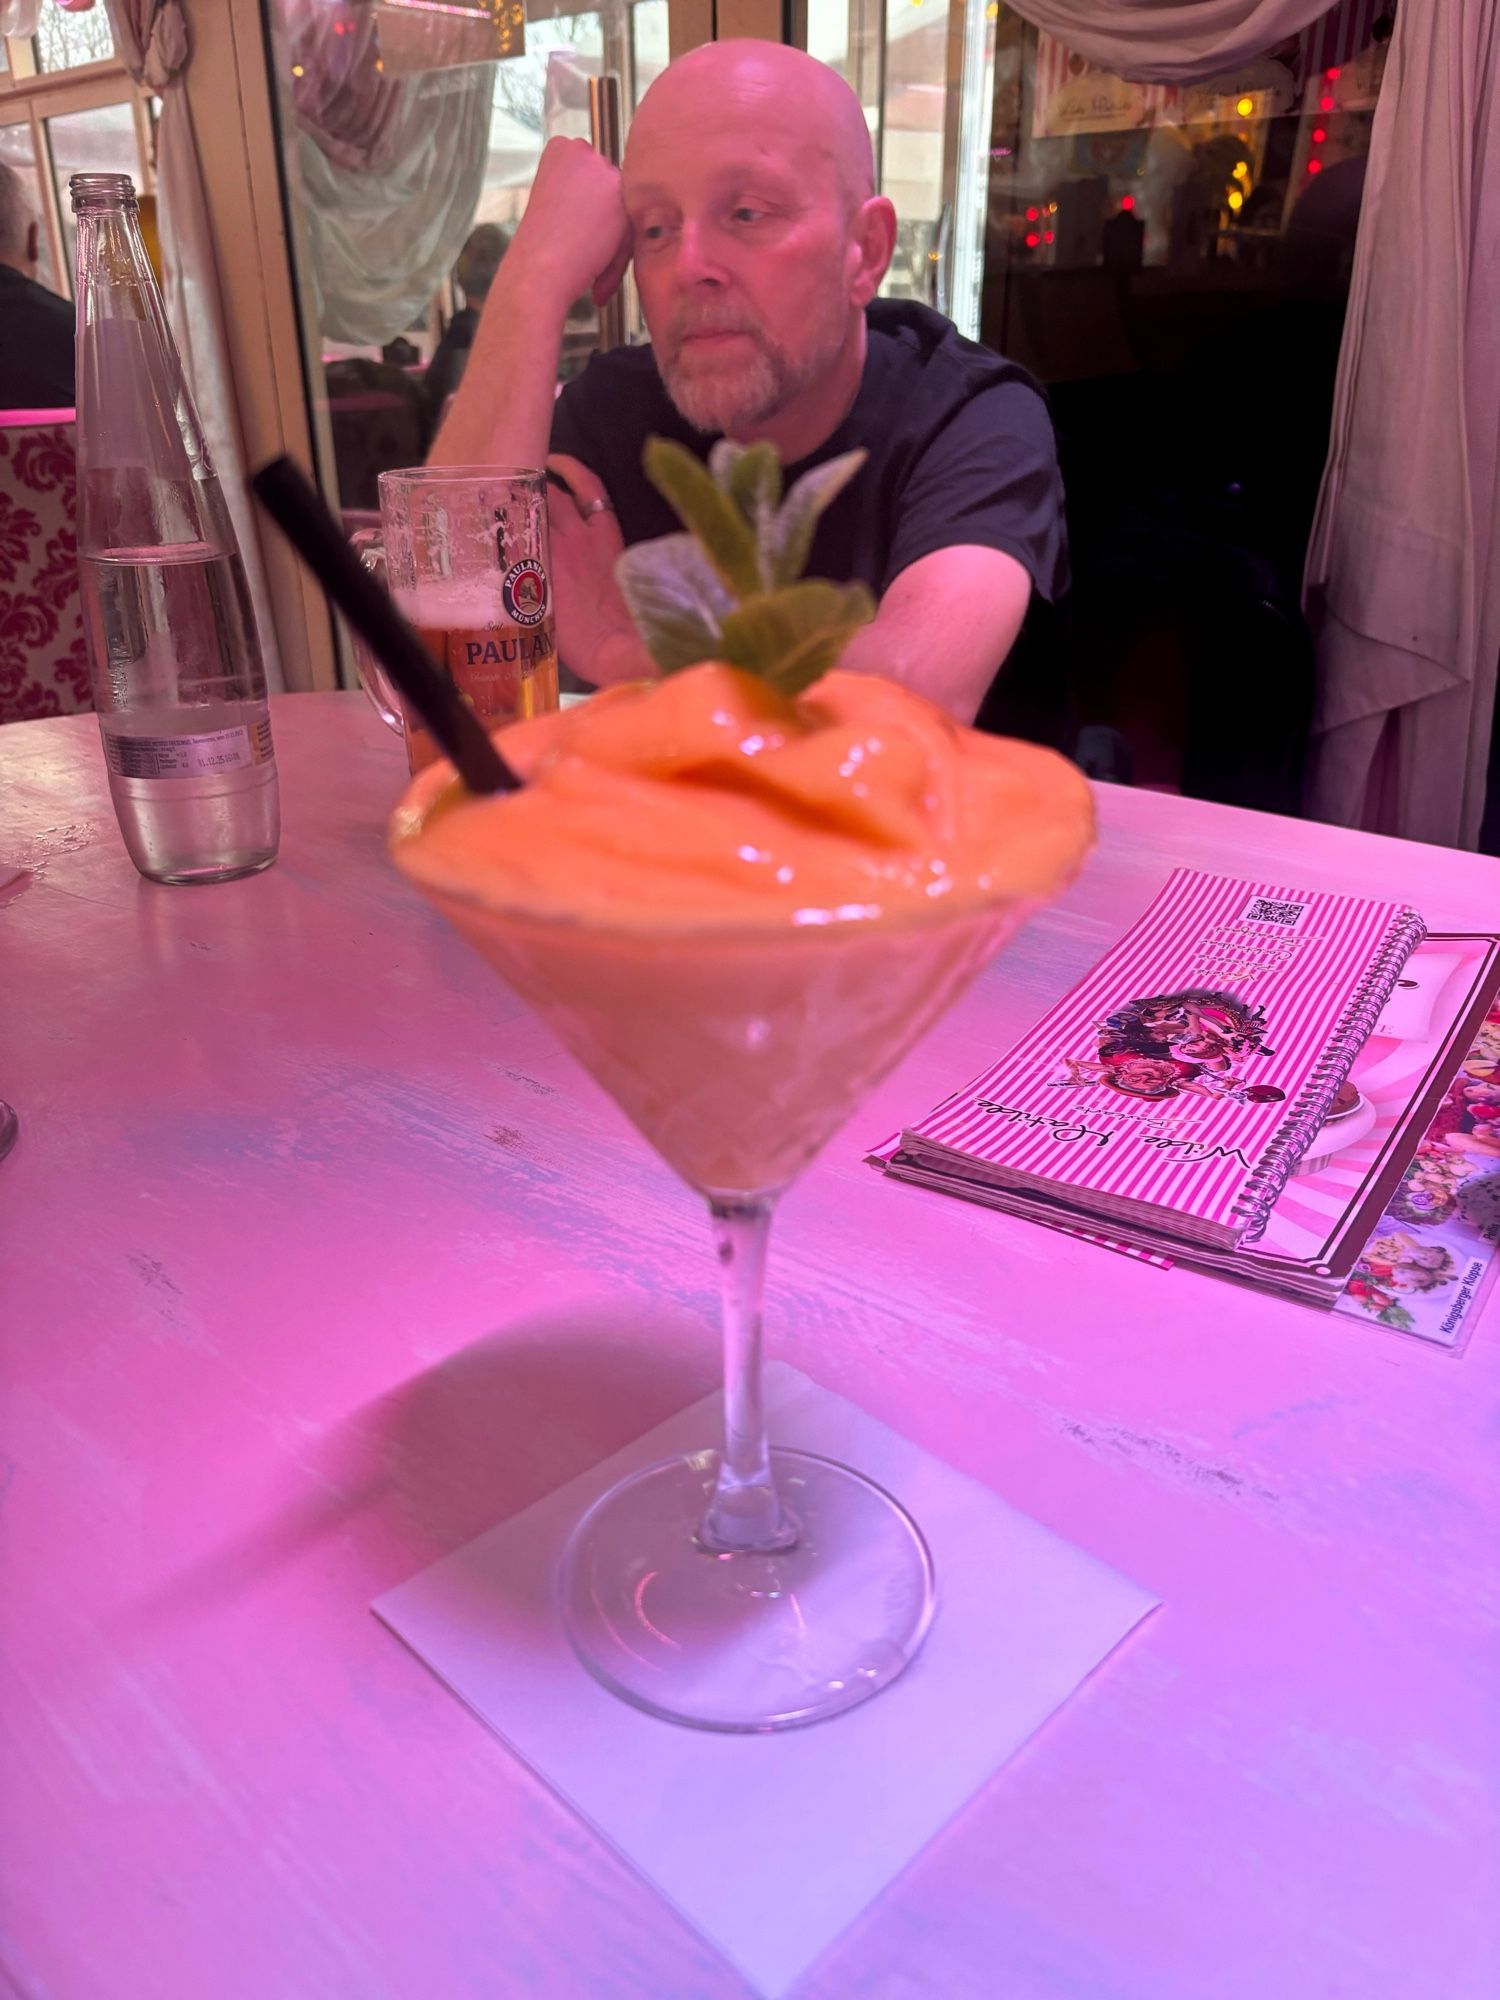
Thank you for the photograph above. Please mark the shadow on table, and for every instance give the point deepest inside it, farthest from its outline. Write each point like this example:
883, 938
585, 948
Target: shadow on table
452, 1451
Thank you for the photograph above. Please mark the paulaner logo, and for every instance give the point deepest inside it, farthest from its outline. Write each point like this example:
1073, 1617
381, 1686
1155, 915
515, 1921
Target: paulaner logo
524, 592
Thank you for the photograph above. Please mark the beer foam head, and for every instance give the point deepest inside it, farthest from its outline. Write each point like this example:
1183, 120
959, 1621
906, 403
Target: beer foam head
453, 604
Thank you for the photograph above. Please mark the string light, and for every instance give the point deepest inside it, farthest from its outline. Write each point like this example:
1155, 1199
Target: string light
1315, 166
1319, 135
1127, 202
1032, 239
1236, 200
1246, 107
1047, 236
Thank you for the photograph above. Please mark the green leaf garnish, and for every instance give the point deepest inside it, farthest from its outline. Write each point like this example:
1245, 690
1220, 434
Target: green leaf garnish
707, 511
731, 588
675, 596
791, 636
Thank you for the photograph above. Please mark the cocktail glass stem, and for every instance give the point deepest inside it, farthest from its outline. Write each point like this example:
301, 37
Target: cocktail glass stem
746, 1514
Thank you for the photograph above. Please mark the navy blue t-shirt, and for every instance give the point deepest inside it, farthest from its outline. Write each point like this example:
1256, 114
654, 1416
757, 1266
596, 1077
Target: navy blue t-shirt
959, 440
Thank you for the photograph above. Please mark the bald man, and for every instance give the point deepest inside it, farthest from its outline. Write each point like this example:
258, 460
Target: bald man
747, 204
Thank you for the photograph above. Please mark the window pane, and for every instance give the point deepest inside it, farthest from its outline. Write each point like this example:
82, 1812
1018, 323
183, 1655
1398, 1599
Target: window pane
648, 43
16, 151
101, 141
67, 40
911, 163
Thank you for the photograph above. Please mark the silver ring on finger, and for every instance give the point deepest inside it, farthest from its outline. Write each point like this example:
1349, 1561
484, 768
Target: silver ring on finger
592, 507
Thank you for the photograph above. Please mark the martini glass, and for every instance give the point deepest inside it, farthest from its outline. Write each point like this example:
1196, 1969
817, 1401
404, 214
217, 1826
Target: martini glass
740, 1586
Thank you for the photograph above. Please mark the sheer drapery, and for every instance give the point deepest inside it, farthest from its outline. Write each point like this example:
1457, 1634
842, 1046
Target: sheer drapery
392, 169
152, 39
1404, 563
1172, 41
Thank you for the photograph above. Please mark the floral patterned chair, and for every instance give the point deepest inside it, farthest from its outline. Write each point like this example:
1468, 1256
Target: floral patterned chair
43, 665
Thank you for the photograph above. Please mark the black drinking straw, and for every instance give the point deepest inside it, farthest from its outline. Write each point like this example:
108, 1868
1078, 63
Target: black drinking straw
288, 497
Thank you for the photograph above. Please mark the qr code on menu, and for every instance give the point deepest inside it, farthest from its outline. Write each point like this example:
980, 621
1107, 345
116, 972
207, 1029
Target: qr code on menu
1263, 910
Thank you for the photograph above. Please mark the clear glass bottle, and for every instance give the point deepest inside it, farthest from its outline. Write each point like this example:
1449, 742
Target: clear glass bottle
173, 653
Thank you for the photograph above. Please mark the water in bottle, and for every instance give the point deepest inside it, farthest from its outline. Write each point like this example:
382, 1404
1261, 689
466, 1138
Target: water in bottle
173, 653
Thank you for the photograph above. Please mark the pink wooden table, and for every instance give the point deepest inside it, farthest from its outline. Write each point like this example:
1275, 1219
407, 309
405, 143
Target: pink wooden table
318, 1258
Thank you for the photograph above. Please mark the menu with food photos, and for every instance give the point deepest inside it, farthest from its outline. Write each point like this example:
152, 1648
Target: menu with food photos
1177, 1087
1393, 1212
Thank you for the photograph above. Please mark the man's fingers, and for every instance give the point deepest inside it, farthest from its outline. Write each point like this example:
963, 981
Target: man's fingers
586, 487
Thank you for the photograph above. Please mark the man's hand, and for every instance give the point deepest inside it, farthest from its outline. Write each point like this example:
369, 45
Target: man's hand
574, 238
575, 234
595, 637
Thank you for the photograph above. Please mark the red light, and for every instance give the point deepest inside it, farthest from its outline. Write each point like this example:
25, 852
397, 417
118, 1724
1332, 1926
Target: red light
1315, 166
1033, 215
1319, 135
1047, 236
1332, 75
1032, 239
1325, 104
1127, 202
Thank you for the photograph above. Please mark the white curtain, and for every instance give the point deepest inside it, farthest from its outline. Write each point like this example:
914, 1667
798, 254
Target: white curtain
152, 38
1172, 41
392, 168
1404, 565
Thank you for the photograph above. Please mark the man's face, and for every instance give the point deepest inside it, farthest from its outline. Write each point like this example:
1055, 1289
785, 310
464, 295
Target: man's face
744, 260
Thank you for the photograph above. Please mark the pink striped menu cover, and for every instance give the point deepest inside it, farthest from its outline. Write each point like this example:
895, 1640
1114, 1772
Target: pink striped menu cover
1179, 1083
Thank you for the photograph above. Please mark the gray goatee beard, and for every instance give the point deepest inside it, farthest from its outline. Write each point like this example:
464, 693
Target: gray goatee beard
741, 398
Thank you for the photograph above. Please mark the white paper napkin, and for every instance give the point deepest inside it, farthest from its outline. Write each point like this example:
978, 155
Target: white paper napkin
772, 1845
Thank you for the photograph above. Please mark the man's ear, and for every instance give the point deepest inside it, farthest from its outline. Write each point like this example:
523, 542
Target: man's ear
872, 242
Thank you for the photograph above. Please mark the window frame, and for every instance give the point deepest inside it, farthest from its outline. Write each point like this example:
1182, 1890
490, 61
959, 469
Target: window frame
31, 97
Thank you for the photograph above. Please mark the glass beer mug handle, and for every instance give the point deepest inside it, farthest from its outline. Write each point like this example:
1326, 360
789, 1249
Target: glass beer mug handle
385, 701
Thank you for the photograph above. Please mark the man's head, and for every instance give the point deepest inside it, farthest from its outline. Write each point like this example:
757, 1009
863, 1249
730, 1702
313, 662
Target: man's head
479, 260
20, 238
759, 238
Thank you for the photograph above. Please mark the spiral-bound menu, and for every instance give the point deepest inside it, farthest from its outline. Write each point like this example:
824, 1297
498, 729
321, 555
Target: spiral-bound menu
1178, 1085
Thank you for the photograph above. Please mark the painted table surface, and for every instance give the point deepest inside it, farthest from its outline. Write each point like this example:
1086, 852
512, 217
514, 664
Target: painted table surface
319, 1257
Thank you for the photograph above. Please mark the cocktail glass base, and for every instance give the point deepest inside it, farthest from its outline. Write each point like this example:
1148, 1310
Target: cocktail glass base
746, 1641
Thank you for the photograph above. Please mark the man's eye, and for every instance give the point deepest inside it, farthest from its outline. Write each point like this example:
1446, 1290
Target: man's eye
744, 213
652, 232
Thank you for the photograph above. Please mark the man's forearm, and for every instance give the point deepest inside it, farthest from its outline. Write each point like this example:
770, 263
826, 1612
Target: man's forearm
502, 414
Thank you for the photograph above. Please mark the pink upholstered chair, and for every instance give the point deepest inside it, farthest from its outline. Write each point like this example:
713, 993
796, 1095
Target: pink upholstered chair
43, 666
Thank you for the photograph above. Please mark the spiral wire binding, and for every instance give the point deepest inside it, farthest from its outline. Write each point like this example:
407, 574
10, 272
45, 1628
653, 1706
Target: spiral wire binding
1279, 1161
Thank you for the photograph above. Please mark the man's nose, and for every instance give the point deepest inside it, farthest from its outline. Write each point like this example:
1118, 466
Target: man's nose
696, 262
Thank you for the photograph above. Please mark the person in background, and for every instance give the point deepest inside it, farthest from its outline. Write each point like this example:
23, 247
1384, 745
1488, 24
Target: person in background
748, 207
474, 273
36, 326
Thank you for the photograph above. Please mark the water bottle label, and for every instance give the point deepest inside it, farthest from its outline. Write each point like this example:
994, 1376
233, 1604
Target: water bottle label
188, 756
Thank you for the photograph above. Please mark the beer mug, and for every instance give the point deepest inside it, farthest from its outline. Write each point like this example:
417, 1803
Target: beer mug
463, 551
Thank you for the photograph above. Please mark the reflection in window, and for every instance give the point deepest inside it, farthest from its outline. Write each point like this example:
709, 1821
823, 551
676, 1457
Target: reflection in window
1250, 183
68, 40
101, 141
16, 151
